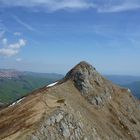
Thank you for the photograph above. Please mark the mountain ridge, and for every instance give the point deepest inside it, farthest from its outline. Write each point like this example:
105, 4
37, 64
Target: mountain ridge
12, 73
83, 105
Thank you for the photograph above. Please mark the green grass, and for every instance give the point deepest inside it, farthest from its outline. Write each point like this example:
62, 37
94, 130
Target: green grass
12, 89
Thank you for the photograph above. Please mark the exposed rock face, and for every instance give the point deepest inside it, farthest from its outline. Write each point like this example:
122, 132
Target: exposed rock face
61, 125
91, 84
83, 106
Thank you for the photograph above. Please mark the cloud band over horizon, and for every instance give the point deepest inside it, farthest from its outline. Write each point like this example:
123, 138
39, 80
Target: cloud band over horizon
104, 6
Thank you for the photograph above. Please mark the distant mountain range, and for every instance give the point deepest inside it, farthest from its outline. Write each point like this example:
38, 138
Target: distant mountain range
131, 82
123, 79
9, 73
135, 88
15, 84
12, 73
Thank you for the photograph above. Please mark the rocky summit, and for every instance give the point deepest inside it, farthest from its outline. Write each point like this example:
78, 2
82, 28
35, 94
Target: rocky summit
81, 106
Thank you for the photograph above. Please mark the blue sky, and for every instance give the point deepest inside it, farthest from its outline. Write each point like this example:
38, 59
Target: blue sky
54, 35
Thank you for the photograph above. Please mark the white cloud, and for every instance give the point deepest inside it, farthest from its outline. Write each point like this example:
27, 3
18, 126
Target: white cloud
6, 48
70, 4
17, 45
50, 4
124, 6
8, 52
17, 33
11, 49
54, 5
18, 59
4, 41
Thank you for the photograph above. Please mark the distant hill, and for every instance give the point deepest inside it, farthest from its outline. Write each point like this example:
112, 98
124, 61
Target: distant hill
131, 82
15, 84
9, 73
122, 79
135, 88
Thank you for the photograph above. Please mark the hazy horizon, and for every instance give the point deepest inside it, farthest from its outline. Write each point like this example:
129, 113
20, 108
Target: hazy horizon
55, 72
53, 36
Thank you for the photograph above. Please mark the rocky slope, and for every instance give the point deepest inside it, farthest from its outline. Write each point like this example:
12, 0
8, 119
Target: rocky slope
82, 106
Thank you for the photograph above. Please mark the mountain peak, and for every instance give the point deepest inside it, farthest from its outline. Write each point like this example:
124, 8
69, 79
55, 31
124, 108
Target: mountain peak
81, 68
84, 64
94, 87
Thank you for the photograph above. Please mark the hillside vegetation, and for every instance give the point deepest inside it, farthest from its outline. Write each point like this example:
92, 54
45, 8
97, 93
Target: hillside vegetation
16, 87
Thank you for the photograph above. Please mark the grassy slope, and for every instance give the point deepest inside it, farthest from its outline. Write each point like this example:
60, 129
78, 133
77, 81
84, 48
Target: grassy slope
12, 89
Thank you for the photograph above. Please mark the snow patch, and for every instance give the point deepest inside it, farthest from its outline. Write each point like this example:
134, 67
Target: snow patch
129, 90
18, 101
51, 85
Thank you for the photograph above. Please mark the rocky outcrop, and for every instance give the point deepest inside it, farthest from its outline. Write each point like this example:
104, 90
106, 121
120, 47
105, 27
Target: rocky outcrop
63, 124
95, 88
